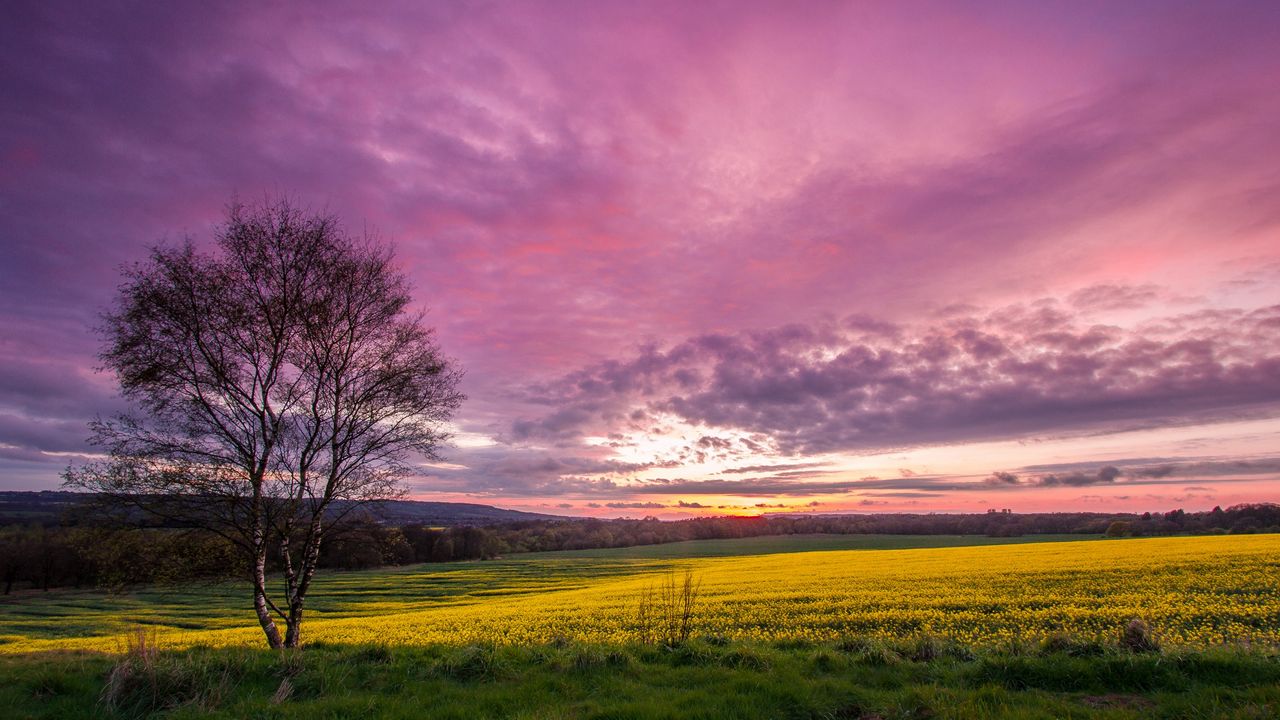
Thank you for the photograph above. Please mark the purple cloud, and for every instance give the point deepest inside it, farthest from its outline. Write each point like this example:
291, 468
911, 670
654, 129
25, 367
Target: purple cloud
1016, 371
625, 216
1105, 475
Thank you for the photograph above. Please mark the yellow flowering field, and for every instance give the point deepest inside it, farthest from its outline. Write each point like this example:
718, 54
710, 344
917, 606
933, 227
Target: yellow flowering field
1193, 591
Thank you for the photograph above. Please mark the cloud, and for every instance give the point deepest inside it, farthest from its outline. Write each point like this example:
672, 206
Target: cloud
1002, 478
774, 468
1168, 470
43, 436
45, 409
788, 487
1139, 471
1105, 475
1014, 371
905, 494
1157, 471
560, 192
1113, 297
500, 470
1211, 468
512, 472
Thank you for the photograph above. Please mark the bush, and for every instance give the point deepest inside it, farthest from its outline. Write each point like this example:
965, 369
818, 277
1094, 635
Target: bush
1119, 528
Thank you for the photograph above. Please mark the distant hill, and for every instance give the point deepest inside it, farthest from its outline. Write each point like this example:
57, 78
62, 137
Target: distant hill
37, 507
50, 506
417, 512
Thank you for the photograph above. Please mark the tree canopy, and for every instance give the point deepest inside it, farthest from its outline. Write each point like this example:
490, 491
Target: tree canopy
280, 380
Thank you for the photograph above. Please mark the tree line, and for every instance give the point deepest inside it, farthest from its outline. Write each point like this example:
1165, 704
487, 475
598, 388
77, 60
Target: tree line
42, 557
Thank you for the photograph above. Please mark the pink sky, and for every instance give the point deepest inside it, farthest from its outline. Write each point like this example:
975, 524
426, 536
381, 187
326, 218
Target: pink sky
707, 257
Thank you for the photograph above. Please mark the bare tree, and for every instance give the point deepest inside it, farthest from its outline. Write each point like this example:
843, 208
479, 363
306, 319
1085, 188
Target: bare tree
282, 382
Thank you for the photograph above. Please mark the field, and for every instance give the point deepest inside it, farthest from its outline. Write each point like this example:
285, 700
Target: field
1194, 592
80, 616
1032, 620
771, 544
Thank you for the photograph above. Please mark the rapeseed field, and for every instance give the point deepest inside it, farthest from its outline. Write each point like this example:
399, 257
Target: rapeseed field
1194, 592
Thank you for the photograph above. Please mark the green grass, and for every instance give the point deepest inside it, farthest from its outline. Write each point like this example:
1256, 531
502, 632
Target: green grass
89, 613
82, 613
704, 679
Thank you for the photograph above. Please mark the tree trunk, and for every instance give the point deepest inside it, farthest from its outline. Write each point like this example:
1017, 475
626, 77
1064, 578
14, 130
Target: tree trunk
293, 627
260, 601
310, 558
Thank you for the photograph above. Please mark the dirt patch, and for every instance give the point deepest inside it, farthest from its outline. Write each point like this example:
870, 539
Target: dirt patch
1131, 702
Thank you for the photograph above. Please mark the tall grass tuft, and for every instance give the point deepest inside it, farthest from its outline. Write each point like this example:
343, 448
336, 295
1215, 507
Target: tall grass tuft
665, 612
135, 672
283, 692
474, 663
1067, 644
1137, 637
145, 679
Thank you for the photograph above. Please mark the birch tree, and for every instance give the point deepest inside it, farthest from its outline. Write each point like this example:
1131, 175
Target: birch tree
280, 381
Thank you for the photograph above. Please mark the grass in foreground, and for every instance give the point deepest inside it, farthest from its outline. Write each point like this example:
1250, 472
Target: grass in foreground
708, 678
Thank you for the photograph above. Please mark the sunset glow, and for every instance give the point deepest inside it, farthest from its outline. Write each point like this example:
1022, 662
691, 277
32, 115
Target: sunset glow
706, 258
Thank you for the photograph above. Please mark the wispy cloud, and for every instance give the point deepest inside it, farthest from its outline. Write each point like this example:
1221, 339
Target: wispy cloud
674, 238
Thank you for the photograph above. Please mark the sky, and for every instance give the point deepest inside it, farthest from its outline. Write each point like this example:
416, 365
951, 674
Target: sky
704, 258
